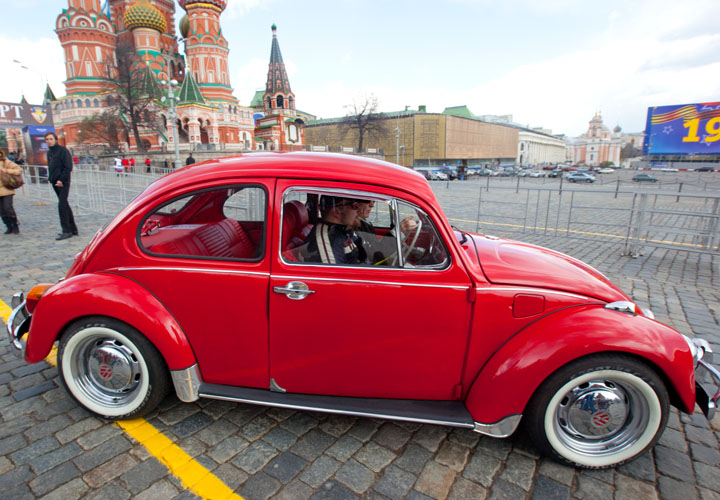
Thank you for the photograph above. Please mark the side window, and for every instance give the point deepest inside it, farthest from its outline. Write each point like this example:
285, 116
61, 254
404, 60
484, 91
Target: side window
422, 246
221, 224
347, 228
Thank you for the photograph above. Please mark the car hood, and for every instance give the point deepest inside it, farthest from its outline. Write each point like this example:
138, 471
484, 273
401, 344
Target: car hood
510, 262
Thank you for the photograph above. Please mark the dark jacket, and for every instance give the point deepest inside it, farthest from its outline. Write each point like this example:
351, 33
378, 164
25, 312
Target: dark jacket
60, 164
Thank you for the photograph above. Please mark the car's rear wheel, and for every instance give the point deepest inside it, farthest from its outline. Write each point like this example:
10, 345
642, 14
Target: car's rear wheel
111, 369
598, 412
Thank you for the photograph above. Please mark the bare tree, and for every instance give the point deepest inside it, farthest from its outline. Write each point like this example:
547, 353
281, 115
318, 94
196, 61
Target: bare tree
363, 116
629, 151
106, 128
132, 99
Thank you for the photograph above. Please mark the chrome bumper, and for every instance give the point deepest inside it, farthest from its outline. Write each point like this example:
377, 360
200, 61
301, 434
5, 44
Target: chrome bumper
18, 324
707, 379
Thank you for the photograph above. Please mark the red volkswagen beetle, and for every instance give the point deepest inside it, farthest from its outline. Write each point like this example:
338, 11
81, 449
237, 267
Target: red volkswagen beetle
305, 281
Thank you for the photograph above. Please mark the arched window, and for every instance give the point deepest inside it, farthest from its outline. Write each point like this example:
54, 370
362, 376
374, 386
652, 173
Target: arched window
78, 103
96, 103
280, 102
87, 103
269, 103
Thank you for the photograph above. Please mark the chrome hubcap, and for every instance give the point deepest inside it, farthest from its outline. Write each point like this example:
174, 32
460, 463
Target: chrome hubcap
601, 417
106, 370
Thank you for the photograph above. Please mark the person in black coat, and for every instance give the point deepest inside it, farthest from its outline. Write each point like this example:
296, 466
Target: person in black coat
60, 165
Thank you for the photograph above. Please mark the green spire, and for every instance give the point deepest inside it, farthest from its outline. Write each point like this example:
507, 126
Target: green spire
190, 92
149, 86
49, 96
23, 100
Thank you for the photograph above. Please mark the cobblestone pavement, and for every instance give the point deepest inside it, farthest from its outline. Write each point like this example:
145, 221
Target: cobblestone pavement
51, 448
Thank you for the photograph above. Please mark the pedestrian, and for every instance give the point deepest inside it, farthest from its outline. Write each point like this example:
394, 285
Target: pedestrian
167, 167
59, 169
190, 160
7, 211
118, 165
147, 164
132, 164
125, 164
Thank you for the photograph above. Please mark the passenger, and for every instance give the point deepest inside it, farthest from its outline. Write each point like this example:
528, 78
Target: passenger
381, 249
333, 240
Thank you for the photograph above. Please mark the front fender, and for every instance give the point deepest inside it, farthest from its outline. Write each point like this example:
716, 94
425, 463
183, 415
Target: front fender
509, 378
109, 295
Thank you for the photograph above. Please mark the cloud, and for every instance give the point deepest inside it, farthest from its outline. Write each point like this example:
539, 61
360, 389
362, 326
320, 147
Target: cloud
239, 8
44, 59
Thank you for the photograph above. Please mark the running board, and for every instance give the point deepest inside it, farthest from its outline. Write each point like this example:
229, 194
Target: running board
450, 413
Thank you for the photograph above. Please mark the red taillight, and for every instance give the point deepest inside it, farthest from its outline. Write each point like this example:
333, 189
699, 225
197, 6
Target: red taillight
34, 295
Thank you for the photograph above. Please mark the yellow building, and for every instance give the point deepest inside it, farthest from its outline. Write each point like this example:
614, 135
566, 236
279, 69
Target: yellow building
421, 139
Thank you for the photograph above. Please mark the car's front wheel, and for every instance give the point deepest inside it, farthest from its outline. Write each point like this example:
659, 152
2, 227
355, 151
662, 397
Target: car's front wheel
599, 411
111, 369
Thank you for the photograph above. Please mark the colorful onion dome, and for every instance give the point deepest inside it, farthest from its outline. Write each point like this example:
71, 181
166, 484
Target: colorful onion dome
143, 15
218, 5
184, 26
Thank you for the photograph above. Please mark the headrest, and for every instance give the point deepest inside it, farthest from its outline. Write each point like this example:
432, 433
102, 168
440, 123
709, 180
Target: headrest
296, 212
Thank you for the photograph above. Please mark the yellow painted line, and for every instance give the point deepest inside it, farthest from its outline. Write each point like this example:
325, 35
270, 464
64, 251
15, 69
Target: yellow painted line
193, 476
4, 311
574, 231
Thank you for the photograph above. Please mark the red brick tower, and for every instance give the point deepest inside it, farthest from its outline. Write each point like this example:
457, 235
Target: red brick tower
88, 39
207, 49
149, 27
279, 129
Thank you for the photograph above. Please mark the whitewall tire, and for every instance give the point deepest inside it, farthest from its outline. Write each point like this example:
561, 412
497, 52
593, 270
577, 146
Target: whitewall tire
599, 412
111, 369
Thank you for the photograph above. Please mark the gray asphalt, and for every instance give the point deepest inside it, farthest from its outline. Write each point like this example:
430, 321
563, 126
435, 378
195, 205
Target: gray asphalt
51, 448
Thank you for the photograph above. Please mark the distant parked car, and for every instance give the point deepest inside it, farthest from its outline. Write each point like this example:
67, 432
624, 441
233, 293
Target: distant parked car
606, 170
536, 173
580, 177
704, 169
441, 176
555, 173
644, 178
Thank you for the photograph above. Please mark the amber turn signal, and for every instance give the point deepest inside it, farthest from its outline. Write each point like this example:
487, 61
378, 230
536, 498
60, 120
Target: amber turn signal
34, 295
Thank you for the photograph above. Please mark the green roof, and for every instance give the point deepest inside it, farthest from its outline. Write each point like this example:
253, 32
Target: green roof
459, 111
190, 92
257, 100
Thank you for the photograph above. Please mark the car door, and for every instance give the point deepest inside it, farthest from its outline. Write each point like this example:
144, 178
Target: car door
384, 329
206, 259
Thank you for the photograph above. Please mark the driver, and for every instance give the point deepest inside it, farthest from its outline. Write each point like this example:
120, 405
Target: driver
380, 249
333, 240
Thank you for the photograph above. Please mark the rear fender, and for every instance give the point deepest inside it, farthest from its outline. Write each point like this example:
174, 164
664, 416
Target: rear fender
106, 295
510, 377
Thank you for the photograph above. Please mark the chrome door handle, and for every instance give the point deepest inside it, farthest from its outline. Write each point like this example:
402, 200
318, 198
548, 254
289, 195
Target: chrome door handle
295, 290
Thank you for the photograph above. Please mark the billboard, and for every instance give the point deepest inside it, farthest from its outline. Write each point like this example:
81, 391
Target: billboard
35, 144
683, 129
19, 115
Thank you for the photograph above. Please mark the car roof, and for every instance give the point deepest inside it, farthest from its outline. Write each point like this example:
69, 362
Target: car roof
321, 166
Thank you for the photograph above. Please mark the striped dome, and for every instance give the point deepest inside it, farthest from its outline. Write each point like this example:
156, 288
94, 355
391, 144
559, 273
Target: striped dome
184, 26
144, 15
218, 4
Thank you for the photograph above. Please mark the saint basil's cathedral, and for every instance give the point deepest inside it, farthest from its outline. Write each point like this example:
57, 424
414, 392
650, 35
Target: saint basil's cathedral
209, 116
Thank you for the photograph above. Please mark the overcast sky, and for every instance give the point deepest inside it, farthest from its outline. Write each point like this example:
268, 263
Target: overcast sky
549, 63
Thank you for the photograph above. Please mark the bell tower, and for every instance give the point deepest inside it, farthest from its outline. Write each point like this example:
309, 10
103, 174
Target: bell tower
278, 98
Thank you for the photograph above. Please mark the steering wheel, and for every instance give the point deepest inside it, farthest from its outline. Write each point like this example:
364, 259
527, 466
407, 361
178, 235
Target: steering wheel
149, 226
409, 248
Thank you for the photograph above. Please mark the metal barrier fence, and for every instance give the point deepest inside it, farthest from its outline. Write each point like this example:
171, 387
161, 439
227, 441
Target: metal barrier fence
684, 215
638, 217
